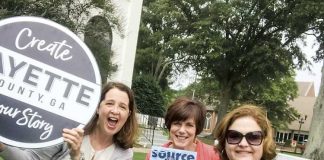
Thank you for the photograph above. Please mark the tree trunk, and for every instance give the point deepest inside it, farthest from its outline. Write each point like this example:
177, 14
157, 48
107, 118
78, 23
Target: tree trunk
225, 98
315, 145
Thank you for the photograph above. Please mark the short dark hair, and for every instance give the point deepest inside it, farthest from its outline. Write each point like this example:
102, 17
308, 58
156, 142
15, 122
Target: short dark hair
184, 108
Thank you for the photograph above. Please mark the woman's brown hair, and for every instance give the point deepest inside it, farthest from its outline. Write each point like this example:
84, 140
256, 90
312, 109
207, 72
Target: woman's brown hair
259, 115
184, 108
126, 137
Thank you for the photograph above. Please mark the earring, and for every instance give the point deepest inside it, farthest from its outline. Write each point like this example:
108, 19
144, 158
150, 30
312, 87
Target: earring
222, 153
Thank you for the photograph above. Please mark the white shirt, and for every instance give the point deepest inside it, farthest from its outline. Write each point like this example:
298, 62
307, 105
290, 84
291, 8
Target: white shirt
90, 154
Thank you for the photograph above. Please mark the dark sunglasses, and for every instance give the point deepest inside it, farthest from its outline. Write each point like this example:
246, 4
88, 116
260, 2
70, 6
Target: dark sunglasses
253, 138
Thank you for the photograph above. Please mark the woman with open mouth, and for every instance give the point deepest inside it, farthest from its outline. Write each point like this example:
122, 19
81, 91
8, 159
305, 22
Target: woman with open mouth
109, 135
111, 132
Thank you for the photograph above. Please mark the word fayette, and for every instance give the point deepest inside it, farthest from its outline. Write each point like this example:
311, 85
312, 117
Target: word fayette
54, 49
33, 75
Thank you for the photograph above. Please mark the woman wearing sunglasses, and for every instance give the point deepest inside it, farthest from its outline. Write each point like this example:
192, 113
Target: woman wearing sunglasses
245, 134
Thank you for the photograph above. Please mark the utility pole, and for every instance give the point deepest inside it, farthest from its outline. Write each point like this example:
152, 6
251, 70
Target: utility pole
301, 121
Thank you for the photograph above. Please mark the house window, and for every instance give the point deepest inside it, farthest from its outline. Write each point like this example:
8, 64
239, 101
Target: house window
277, 137
282, 137
207, 121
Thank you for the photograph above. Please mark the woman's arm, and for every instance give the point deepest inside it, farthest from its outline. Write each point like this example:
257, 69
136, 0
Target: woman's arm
9, 152
74, 139
2, 147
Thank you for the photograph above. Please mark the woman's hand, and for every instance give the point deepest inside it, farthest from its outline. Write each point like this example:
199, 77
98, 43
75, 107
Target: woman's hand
2, 147
74, 139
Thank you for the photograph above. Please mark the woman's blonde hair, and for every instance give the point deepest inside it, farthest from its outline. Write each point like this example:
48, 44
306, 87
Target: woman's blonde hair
259, 115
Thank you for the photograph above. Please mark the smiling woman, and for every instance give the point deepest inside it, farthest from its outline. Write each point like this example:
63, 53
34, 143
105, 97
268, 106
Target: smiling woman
245, 133
111, 132
185, 119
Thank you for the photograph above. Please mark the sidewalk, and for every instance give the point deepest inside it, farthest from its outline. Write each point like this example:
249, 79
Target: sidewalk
281, 156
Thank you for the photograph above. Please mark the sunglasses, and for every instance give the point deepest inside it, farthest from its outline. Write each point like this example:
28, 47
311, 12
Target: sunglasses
253, 138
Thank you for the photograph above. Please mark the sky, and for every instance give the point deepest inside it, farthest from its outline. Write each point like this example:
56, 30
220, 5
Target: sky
184, 79
315, 74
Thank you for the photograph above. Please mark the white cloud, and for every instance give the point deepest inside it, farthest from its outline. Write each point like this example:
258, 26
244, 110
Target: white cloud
315, 74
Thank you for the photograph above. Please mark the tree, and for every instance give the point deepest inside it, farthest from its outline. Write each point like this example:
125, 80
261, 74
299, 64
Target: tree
98, 37
205, 90
274, 98
234, 42
159, 37
148, 96
315, 144
254, 43
73, 14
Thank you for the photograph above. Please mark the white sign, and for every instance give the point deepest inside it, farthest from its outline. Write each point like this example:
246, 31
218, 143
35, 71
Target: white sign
49, 80
163, 153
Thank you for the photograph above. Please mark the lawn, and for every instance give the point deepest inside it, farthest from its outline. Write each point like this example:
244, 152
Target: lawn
139, 156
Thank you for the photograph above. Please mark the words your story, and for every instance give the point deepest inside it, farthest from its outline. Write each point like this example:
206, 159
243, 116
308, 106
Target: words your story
28, 118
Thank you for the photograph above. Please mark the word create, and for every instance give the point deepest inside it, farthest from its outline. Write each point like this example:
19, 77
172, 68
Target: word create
54, 49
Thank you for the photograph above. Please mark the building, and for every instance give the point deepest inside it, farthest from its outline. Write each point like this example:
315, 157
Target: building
304, 103
210, 120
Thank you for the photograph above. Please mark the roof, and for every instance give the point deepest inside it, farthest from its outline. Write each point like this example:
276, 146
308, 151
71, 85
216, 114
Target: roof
306, 89
304, 104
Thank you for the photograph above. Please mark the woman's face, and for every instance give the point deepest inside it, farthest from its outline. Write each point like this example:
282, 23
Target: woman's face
113, 111
182, 134
243, 150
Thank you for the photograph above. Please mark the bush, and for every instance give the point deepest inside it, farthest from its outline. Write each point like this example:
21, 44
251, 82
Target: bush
287, 143
148, 96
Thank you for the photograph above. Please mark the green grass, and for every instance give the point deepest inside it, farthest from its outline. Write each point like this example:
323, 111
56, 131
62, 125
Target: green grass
139, 156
